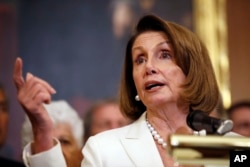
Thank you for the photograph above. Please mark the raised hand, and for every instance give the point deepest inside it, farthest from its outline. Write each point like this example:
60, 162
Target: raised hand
32, 93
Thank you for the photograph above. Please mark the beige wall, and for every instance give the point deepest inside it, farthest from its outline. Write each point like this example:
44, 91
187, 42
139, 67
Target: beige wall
238, 18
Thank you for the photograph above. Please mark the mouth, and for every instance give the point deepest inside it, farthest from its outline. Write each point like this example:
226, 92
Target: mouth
152, 85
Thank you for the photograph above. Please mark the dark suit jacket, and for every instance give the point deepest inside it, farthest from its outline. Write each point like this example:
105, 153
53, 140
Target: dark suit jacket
4, 162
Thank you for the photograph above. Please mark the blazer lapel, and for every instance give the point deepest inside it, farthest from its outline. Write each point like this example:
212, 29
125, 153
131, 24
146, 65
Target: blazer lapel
140, 146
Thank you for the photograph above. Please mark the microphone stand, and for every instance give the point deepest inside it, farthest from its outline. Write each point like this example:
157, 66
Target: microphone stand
205, 150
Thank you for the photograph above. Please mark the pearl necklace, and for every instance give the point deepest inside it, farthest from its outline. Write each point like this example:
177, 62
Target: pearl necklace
156, 135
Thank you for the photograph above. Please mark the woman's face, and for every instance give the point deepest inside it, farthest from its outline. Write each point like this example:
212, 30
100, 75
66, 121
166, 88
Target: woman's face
71, 151
157, 77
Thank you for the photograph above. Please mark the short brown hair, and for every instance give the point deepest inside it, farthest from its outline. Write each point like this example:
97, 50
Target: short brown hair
200, 89
237, 105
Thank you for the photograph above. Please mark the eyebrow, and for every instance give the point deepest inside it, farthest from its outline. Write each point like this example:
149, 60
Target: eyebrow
161, 43
164, 42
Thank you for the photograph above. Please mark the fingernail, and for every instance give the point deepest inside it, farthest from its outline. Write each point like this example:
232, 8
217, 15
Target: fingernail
29, 75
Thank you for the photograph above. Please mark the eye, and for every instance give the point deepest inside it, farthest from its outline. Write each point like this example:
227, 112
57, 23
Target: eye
140, 60
244, 125
64, 141
165, 55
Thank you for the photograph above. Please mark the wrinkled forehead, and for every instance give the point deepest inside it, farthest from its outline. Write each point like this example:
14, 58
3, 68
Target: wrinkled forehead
107, 109
148, 35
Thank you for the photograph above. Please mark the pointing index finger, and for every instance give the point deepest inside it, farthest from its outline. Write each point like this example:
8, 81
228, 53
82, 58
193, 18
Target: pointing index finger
18, 73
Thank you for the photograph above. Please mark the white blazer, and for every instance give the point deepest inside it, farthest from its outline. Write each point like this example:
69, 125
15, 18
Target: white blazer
129, 146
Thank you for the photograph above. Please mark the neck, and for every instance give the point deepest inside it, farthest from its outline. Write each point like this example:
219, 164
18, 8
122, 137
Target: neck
168, 121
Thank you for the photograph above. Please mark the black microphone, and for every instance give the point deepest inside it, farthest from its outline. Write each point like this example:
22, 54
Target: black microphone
198, 120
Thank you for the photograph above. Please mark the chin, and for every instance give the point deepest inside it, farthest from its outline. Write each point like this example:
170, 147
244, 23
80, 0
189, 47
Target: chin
159, 100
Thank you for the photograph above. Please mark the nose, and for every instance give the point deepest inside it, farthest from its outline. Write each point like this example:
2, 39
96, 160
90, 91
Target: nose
150, 68
150, 71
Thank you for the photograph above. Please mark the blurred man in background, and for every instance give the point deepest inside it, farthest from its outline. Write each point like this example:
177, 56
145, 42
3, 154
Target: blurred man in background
239, 113
103, 115
4, 120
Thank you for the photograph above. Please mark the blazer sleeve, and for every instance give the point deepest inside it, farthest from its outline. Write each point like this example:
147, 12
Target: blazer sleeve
50, 158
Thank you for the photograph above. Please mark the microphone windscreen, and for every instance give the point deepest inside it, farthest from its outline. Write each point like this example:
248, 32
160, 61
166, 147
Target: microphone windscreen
198, 120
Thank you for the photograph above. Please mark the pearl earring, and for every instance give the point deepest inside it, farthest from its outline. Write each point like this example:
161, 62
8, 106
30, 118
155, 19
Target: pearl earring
137, 98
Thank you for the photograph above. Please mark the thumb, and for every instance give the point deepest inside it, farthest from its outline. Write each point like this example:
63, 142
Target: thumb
18, 73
